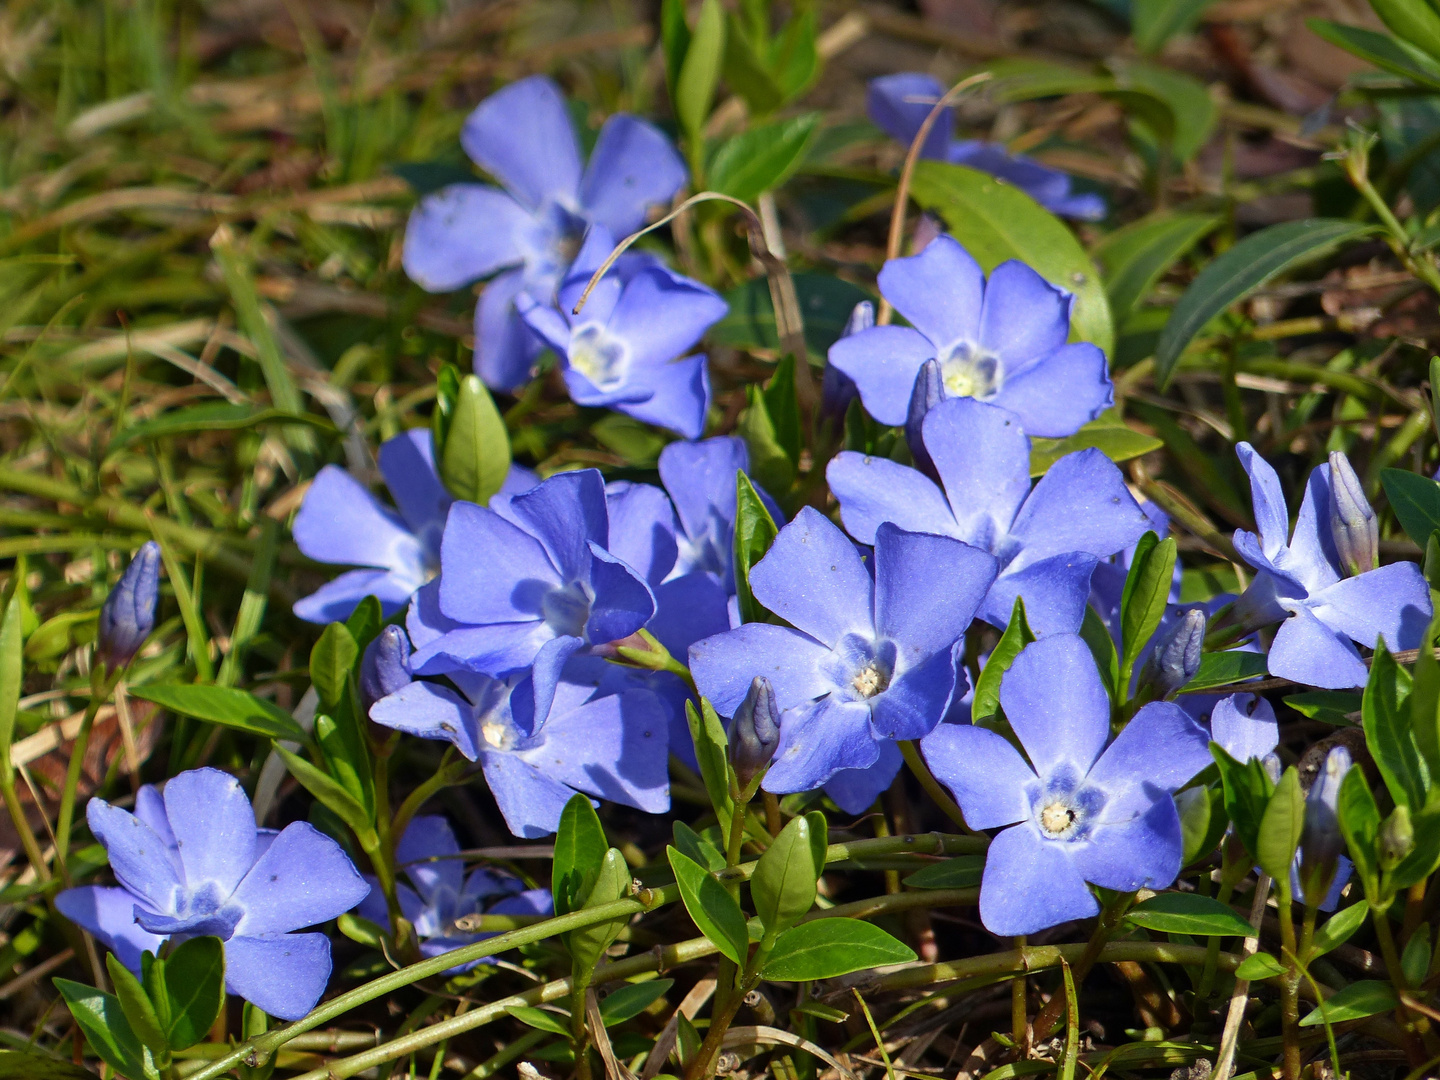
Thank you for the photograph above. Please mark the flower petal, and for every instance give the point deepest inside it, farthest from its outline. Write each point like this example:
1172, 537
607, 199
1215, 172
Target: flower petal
1141, 853
1025, 318
336, 600
725, 665
688, 609
109, 914
281, 974
340, 522
874, 490
214, 827
522, 136
1053, 698
623, 602
883, 361
426, 837
1162, 747
505, 349
430, 711
1080, 504
1268, 498
899, 104
661, 315
530, 800
679, 395
982, 456
917, 699
1061, 392
700, 478
1055, 592
493, 571
1308, 651
462, 233
812, 577
1390, 602
1030, 884
303, 878
941, 292
927, 589
140, 859
565, 513
408, 464
982, 770
1312, 557
1244, 724
497, 649
817, 741
642, 528
632, 168
855, 790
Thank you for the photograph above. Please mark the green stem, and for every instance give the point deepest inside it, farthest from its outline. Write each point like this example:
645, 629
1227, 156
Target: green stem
911, 753
1414, 1048
1110, 917
22, 826
1289, 990
100, 689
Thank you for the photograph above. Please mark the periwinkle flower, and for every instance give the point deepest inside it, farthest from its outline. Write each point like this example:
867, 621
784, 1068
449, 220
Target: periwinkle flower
865, 660
1353, 524
538, 748
531, 586
1001, 341
439, 892
1244, 726
1318, 864
754, 731
522, 136
341, 522
898, 104
1083, 808
128, 614
385, 667
191, 862
1047, 540
625, 349
1303, 582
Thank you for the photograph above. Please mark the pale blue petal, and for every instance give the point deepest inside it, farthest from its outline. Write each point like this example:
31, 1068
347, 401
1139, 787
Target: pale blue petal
855, 790
883, 361
1080, 504
1390, 602
874, 490
633, 167
303, 878
1055, 592
283, 975
1030, 884
1309, 652
214, 827
817, 741
462, 233
987, 775
941, 292
927, 589
522, 136
982, 456
1025, 318
813, 578
1054, 699
1058, 394
725, 665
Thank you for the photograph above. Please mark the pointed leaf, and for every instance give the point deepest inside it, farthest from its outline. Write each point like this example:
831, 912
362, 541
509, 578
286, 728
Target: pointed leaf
474, 458
755, 531
1280, 830
711, 746
1386, 713
631, 1000
1338, 928
829, 948
195, 987
987, 688
225, 705
1188, 913
1354, 1002
783, 884
711, 907
107, 1031
136, 1005
580, 848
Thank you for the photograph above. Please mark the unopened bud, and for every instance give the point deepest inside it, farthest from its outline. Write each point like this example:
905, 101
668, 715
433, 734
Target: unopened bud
128, 615
929, 391
385, 667
1320, 842
862, 317
1177, 656
1273, 767
755, 731
1352, 520
1397, 838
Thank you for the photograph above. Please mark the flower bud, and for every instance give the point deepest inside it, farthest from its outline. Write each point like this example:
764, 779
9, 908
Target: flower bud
1273, 767
128, 615
1320, 841
754, 732
385, 668
1397, 838
929, 391
1177, 656
838, 390
1352, 520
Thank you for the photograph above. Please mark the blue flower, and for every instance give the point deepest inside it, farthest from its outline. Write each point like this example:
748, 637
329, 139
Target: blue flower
624, 350
341, 522
128, 614
191, 862
522, 136
1047, 540
1001, 341
898, 104
439, 892
1244, 726
865, 660
1082, 810
538, 746
1302, 581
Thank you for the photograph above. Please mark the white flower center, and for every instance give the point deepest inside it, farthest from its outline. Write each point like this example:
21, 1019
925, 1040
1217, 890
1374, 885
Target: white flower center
1057, 818
968, 372
870, 680
497, 734
599, 356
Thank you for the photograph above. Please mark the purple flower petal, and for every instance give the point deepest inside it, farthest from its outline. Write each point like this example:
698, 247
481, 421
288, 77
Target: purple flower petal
408, 464
281, 974
340, 522
462, 233
522, 136
986, 774
505, 350
1031, 884
927, 589
1081, 504
883, 361
428, 836
855, 790
1311, 653
874, 490
1312, 558
941, 292
1060, 393
497, 649
812, 577
430, 711
726, 664
1271, 516
530, 800
214, 827
565, 513
1161, 748
623, 602
545, 675
917, 698
1244, 724
303, 878
632, 168
899, 104
661, 315
688, 609
817, 741
1055, 591
1053, 698
983, 458
642, 528
109, 914
336, 600
140, 859
1141, 853
679, 396
1025, 318
700, 477
494, 571
1390, 602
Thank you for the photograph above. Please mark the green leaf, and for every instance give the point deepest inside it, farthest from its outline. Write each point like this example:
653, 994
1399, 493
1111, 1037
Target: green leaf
195, 987
1241, 270
1386, 714
674, 41
361, 930
711, 907
212, 416
1280, 829
331, 794
695, 847
1193, 113
539, 1018
783, 407
1107, 433
25, 1065
224, 705
1360, 825
1356, 1001
700, 72
711, 753
961, 872
1382, 50
346, 758
770, 465
1329, 706
366, 622
11, 679
474, 458
136, 1005
331, 662
1154, 22
579, 852
1142, 603
1188, 913
587, 946
1136, 257
1224, 668
762, 158
755, 531
829, 948
1260, 966
107, 1031
1415, 500
747, 74
1424, 857
783, 884
628, 1002
1102, 646
795, 56
825, 301
828, 1013
1247, 790
1202, 821
995, 221
987, 688
1338, 928
1412, 21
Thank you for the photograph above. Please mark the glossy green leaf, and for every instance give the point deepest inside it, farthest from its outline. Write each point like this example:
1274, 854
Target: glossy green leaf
995, 221
755, 531
1188, 913
762, 158
772, 468
711, 752
136, 1005
1202, 821
212, 416
224, 705
331, 793
1280, 829
27, 1065
474, 459
694, 846
331, 661
987, 688
1414, 22
674, 41
1424, 857
366, 622
1386, 713
783, 884
107, 1031
361, 930
829, 948
1360, 825
1330, 706
1107, 433
628, 1002
1224, 668
1339, 928
1382, 50
1102, 646
540, 1019
1134, 258
711, 907
587, 946
1247, 789
1193, 113
783, 405
580, 848
1241, 270
1143, 601
195, 987
1154, 22
1354, 1002
342, 747
961, 872
1259, 966
700, 72
1415, 500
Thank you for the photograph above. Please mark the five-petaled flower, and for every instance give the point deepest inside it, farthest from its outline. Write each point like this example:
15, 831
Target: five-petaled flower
870, 659
1081, 810
523, 137
1047, 540
192, 862
1001, 341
